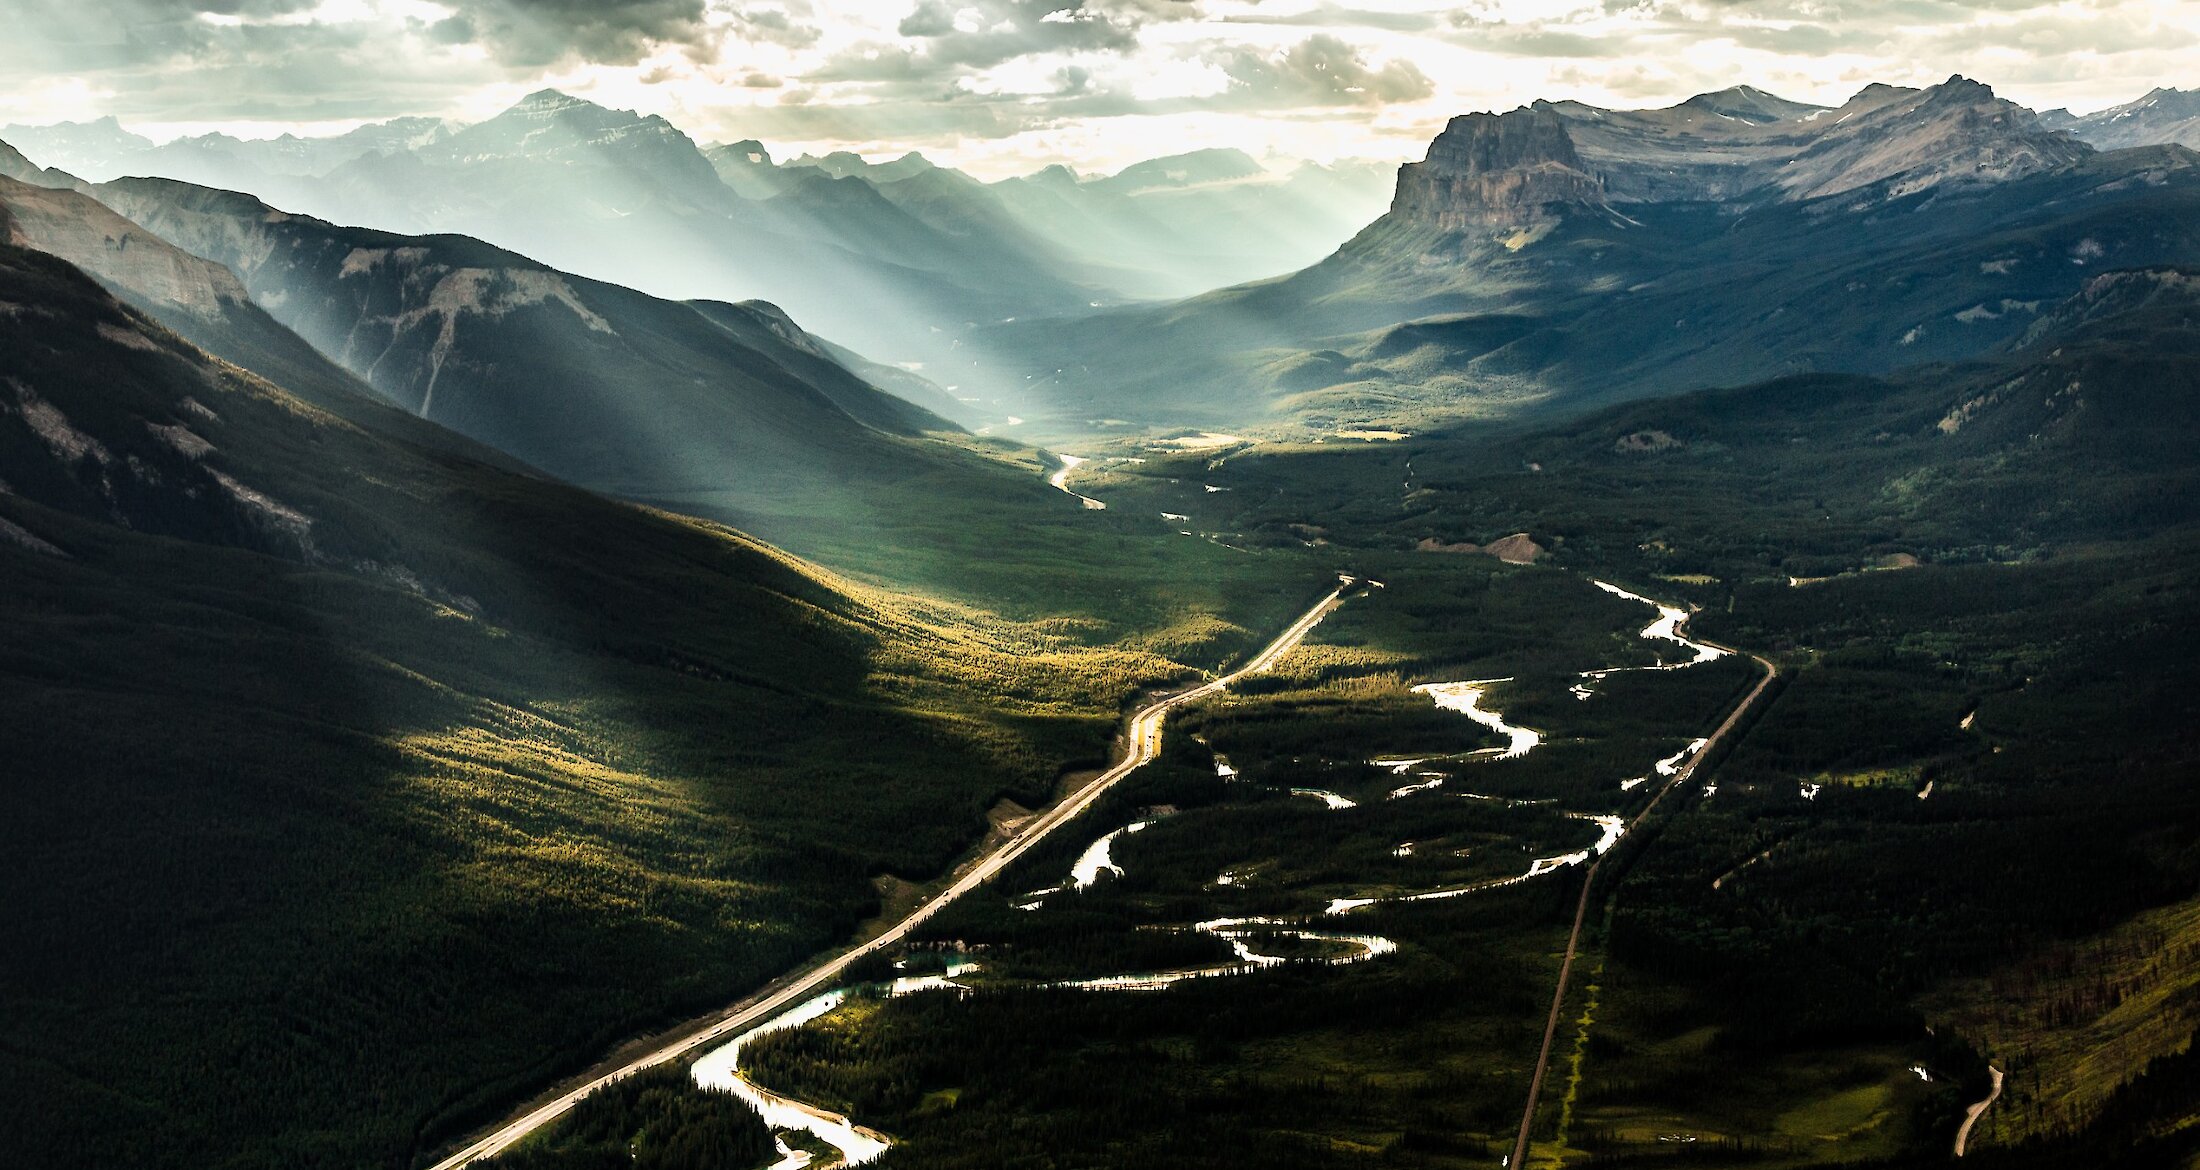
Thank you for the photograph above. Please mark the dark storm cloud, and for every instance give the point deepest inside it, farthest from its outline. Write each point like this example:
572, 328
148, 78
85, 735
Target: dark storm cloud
1319, 71
45, 37
941, 41
791, 28
104, 34
1811, 28
615, 32
170, 63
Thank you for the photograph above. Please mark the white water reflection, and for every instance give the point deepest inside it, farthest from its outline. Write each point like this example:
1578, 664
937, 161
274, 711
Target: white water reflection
1466, 698
1667, 628
1613, 829
1250, 939
1243, 935
1428, 780
1423, 782
721, 1069
1098, 858
1671, 765
1060, 479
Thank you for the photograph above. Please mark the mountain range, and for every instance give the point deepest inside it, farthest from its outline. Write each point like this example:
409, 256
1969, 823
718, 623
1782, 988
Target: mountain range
2163, 116
730, 410
366, 726
596, 384
631, 199
416, 687
1561, 254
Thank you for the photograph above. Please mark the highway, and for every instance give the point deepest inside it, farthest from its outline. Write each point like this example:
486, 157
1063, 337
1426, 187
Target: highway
1143, 744
1519, 1157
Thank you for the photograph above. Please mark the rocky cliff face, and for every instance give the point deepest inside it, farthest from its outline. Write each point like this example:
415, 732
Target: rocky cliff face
1954, 132
1485, 171
114, 250
552, 127
1738, 146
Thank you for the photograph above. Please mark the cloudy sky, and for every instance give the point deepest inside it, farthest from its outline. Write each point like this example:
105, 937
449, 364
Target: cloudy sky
1002, 86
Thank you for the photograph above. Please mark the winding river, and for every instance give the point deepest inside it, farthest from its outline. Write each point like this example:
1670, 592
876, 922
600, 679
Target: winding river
1466, 698
1245, 936
1667, 628
1060, 479
721, 1069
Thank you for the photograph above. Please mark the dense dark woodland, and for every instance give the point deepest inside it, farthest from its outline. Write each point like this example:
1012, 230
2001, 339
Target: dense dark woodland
364, 779
1980, 580
656, 1120
390, 782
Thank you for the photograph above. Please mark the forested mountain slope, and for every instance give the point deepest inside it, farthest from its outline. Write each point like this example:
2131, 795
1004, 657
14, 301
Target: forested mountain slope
359, 784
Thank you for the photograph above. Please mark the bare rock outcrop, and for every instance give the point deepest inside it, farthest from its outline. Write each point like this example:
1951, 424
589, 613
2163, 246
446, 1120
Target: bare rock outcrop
1496, 170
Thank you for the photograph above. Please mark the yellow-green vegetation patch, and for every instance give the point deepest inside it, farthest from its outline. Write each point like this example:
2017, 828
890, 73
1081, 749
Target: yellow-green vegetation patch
1900, 776
1311, 664
1652, 1080
1187, 637
2078, 1019
1840, 1115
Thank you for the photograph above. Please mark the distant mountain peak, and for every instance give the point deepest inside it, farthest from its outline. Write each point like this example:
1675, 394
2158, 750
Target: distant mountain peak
842, 164
541, 99
78, 145
556, 126
1960, 90
2164, 116
1211, 165
1879, 91
1747, 103
1909, 140
1497, 170
559, 105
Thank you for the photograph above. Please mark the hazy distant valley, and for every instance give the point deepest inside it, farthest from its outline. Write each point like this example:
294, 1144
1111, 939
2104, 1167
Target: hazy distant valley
1637, 638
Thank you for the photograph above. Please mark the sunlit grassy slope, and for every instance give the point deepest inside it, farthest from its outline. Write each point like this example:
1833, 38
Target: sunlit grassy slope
725, 411
357, 784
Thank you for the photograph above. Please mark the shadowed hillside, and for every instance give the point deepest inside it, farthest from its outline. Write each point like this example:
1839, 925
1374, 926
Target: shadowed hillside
359, 784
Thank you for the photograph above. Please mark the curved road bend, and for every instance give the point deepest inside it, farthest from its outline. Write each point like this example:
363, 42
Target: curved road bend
1972, 1114
1144, 740
1581, 909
